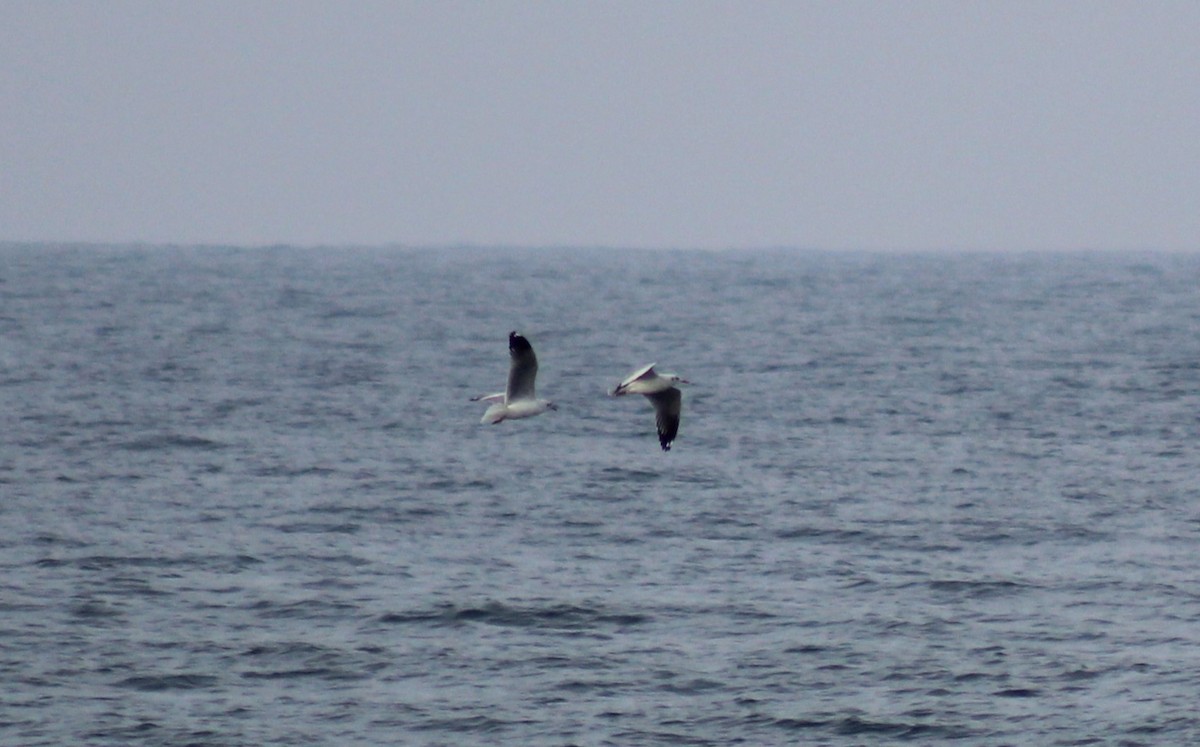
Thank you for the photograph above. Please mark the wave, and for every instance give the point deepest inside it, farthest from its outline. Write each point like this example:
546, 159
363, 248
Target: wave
567, 617
164, 682
170, 441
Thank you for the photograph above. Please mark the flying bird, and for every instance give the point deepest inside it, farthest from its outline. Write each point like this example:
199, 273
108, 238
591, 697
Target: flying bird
518, 399
660, 390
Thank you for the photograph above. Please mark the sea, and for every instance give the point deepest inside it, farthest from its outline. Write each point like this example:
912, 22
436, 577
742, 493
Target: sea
246, 499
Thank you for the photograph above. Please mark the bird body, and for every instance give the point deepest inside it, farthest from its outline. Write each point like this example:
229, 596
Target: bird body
523, 408
519, 399
646, 380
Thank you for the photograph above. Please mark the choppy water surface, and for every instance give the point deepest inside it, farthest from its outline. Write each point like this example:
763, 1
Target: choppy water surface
245, 499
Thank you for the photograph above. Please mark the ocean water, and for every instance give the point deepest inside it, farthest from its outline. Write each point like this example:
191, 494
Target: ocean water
245, 499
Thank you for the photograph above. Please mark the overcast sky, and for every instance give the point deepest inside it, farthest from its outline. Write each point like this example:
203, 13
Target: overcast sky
881, 125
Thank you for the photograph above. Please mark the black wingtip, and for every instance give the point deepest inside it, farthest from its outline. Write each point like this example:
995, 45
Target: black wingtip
666, 445
517, 343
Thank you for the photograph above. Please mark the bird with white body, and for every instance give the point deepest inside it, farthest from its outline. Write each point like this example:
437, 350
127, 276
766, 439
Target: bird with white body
661, 391
518, 400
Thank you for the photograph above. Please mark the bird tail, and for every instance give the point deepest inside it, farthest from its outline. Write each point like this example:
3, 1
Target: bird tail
494, 414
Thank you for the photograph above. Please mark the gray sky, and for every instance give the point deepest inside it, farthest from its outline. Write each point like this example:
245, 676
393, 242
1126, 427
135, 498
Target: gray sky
882, 125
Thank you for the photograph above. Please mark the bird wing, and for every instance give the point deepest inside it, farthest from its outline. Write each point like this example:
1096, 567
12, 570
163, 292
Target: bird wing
667, 406
522, 370
641, 373
638, 374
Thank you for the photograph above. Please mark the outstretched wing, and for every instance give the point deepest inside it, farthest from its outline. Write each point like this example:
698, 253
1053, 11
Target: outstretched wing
642, 373
667, 406
523, 369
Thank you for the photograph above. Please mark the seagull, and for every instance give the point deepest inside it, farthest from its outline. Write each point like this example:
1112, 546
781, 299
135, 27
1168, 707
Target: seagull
660, 390
518, 400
